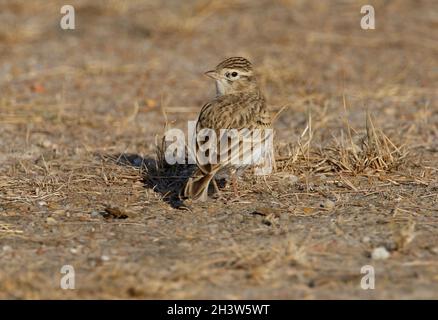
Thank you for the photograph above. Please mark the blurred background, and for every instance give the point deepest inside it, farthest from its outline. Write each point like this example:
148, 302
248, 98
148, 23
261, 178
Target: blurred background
154, 53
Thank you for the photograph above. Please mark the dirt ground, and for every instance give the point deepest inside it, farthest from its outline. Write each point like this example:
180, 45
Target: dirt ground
82, 113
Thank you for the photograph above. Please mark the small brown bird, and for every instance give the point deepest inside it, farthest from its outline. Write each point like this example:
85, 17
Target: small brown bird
240, 105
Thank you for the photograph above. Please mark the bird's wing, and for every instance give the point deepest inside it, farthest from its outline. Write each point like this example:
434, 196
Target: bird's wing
234, 112
243, 112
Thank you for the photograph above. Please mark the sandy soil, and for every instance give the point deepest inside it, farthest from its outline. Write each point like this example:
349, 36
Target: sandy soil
81, 112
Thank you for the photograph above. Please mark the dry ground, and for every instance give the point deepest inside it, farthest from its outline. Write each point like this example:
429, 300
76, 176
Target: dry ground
80, 112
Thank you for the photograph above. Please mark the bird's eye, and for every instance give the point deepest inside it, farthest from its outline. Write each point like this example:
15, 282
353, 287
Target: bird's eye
234, 74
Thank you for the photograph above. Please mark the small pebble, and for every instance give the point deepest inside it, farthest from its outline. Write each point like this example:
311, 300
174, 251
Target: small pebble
380, 253
289, 179
51, 220
95, 214
293, 179
105, 258
46, 144
327, 204
7, 248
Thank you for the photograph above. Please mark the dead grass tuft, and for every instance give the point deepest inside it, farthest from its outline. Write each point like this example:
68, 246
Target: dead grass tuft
358, 153
352, 153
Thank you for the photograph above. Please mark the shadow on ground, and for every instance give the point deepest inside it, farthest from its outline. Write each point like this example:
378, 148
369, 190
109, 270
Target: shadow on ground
167, 180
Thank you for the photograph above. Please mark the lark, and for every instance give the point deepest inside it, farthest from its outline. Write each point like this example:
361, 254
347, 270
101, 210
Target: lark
239, 104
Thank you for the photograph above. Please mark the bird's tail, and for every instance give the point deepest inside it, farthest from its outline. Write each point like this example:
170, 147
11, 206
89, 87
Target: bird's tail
196, 187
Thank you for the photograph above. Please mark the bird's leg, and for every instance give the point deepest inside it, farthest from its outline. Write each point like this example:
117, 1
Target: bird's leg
216, 188
235, 184
217, 193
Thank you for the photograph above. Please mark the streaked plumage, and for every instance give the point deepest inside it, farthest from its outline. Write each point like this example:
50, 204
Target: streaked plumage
239, 104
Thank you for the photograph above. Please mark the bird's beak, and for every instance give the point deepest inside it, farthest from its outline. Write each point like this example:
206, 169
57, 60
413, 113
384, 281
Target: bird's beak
212, 74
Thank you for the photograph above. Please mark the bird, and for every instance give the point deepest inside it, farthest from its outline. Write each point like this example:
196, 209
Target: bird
240, 105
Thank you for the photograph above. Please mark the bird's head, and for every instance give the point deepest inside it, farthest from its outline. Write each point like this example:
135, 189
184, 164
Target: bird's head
233, 75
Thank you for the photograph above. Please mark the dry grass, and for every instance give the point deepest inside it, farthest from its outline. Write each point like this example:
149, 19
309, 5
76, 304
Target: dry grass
351, 153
